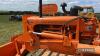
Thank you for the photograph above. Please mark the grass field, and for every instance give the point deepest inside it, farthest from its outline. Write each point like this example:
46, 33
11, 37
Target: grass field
8, 29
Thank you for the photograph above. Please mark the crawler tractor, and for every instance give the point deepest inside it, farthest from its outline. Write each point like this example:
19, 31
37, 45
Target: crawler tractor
74, 34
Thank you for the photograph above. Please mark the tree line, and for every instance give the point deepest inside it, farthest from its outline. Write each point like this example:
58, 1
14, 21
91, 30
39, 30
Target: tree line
17, 12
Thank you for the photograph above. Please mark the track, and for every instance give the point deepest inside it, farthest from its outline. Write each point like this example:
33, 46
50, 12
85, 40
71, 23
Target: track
44, 52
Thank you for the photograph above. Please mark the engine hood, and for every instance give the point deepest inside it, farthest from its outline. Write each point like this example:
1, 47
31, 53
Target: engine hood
52, 20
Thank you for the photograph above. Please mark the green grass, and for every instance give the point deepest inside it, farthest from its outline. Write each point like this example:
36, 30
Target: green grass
8, 29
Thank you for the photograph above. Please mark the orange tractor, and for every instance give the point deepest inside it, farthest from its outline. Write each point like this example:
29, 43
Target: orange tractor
72, 35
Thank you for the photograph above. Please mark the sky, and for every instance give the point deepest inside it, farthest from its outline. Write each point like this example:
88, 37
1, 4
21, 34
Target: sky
32, 5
